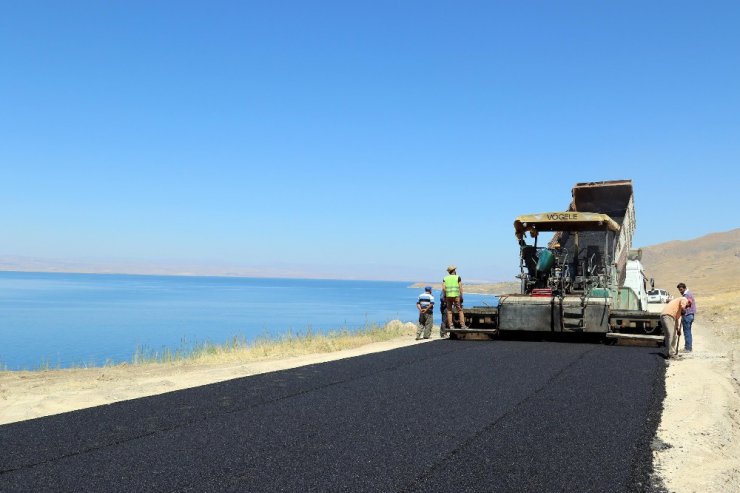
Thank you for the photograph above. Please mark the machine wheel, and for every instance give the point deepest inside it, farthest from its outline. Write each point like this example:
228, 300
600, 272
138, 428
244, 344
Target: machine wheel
649, 329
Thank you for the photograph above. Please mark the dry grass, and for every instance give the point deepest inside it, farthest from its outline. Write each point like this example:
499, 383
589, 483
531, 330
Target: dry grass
720, 312
284, 346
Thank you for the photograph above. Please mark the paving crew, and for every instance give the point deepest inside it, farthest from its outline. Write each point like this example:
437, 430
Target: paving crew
425, 305
453, 291
670, 319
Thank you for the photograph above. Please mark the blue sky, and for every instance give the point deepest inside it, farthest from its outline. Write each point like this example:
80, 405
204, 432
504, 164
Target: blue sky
371, 140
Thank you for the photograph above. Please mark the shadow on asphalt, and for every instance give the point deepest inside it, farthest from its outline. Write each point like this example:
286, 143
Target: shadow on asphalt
567, 338
537, 337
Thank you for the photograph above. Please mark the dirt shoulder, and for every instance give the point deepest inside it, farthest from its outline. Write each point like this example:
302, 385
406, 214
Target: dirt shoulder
698, 441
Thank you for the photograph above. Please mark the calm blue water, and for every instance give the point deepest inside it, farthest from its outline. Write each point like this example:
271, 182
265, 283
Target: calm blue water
72, 319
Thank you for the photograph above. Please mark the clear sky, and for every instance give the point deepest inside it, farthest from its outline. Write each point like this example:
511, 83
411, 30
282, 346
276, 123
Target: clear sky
348, 139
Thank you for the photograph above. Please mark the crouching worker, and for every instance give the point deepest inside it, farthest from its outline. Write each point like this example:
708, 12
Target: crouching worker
670, 319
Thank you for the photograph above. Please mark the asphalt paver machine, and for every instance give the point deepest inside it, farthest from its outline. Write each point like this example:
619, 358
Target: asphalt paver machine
587, 279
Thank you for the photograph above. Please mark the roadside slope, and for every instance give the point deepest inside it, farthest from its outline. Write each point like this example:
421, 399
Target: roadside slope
699, 435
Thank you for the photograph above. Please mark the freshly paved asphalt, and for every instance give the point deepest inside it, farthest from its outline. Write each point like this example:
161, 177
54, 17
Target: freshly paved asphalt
442, 416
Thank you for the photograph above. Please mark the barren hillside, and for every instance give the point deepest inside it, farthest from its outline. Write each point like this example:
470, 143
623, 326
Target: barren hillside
709, 264
710, 267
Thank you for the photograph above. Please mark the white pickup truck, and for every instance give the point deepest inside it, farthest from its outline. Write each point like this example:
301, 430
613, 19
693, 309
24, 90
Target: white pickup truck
658, 296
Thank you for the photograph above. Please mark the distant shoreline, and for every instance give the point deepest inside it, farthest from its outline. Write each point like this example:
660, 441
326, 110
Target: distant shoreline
190, 274
504, 287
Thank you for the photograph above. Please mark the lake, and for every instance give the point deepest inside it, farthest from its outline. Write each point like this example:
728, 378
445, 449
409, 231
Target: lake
88, 319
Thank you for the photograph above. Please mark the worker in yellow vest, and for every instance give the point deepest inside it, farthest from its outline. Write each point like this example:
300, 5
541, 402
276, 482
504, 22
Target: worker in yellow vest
453, 295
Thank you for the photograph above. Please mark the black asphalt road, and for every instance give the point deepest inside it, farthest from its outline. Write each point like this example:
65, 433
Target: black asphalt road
442, 416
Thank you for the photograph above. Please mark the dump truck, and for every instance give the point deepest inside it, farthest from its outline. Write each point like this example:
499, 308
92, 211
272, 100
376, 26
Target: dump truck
586, 280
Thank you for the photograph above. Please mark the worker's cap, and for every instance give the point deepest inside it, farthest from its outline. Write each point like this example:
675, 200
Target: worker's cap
451, 268
428, 288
